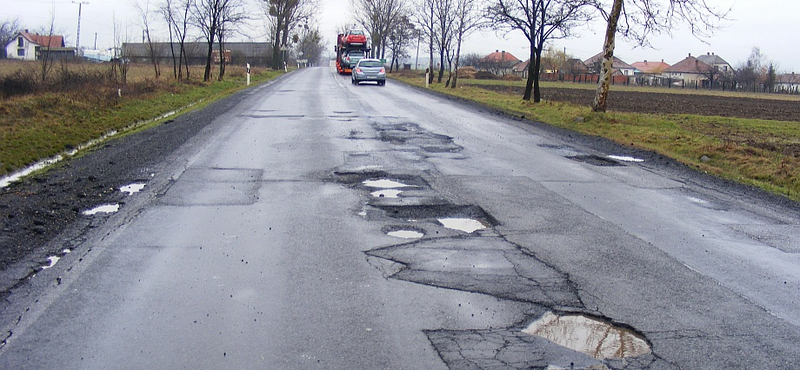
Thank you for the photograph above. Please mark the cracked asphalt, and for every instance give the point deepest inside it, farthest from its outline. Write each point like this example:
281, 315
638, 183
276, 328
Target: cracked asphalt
263, 237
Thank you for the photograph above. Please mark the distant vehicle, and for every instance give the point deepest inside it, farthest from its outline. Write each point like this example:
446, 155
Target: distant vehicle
352, 58
355, 37
368, 70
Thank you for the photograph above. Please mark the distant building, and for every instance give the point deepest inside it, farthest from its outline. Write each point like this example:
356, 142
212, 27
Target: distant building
689, 70
32, 46
714, 60
618, 67
238, 53
650, 73
788, 83
499, 63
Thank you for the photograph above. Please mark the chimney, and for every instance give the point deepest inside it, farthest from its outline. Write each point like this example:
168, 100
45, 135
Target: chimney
645, 61
26, 31
690, 54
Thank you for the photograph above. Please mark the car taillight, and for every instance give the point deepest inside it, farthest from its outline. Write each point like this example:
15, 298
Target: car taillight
358, 70
383, 70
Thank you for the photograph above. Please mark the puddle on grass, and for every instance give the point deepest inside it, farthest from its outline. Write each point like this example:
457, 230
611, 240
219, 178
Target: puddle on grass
384, 184
107, 208
386, 193
623, 158
132, 188
406, 234
593, 337
466, 225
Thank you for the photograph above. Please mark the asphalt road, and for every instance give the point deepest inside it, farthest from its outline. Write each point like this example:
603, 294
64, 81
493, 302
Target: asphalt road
310, 225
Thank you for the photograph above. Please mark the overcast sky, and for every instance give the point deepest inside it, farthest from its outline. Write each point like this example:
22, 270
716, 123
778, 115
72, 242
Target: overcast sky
771, 25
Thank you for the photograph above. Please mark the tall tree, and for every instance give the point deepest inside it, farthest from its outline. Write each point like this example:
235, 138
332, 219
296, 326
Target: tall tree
379, 17
638, 20
176, 14
310, 44
400, 37
467, 20
232, 15
144, 13
283, 16
9, 29
540, 21
425, 17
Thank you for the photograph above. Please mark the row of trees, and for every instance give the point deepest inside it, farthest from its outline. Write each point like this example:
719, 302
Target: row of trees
444, 24
288, 26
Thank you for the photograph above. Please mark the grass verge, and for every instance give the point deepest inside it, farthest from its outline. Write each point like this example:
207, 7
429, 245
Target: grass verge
40, 126
761, 153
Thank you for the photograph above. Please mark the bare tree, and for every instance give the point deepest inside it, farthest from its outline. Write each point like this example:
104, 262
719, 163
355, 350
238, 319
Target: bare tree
46, 58
379, 17
144, 13
444, 28
310, 45
283, 16
540, 21
638, 20
176, 14
467, 20
231, 16
425, 16
9, 29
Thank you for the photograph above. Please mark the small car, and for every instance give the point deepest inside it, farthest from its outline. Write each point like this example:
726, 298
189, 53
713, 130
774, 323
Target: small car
355, 37
352, 57
368, 70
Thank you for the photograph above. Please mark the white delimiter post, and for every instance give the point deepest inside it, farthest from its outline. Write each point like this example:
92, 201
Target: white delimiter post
248, 74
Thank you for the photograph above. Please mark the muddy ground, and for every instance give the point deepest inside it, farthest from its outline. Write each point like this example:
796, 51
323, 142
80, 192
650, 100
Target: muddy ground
647, 102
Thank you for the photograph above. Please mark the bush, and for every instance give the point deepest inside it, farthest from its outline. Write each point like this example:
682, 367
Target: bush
484, 75
21, 82
511, 77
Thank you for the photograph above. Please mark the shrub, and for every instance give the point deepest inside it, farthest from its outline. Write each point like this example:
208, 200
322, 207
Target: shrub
484, 75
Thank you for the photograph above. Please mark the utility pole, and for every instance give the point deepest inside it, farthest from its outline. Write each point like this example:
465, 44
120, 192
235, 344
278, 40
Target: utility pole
78, 37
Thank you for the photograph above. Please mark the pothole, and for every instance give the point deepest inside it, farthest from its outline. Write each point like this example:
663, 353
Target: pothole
591, 336
466, 225
624, 158
386, 193
595, 160
52, 260
404, 232
132, 188
385, 184
106, 208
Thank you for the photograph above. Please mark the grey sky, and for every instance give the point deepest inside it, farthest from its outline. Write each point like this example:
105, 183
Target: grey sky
769, 24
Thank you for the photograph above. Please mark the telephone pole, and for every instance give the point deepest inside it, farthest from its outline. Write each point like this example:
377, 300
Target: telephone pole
78, 37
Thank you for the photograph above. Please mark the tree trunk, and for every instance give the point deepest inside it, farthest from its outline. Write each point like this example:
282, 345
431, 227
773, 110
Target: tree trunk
537, 69
529, 83
600, 98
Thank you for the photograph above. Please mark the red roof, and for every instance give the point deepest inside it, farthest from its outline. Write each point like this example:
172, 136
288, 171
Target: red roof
689, 65
55, 41
651, 67
499, 56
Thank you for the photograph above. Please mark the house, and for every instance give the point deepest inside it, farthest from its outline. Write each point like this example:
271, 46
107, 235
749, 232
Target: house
788, 83
689, 70
31, 46
715, 61
650, 73
499, 62
618, 67
572, 67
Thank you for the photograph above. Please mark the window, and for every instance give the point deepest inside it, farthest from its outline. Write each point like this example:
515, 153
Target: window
20, 52
21, 42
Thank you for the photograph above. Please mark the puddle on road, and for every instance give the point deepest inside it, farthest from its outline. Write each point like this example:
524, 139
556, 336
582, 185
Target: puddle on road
53, 260
466, 225
406, 234
386, 193
624, 158
593, 337
384, 184
107, 208
132, 188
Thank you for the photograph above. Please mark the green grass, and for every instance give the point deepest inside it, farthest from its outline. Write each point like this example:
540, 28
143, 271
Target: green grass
761, 153
36, 127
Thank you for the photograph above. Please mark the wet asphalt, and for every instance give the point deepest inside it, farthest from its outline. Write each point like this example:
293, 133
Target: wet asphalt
312, 224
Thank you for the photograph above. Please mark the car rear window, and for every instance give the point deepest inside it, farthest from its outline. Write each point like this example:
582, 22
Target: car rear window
356, 54
371, 64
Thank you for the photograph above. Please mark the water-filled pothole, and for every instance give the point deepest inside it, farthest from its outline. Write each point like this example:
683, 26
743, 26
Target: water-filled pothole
437, 212
625, 158
594, 337
106, 208
595, 160
132, 188
466, 225
386, 193
406, 234
385, 184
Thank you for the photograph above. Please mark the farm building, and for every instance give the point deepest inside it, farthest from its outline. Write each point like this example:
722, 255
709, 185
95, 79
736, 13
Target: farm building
239, 53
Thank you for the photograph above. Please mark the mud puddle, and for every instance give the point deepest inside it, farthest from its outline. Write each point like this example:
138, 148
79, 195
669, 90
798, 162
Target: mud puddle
106, 208
466, 225
132, 188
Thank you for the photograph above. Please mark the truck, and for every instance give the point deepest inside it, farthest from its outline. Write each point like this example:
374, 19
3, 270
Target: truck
350, 48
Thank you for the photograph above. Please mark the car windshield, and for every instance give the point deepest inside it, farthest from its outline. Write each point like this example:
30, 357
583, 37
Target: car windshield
370, 63
359, 54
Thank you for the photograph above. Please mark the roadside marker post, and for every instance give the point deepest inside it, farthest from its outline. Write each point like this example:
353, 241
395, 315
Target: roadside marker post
248, 74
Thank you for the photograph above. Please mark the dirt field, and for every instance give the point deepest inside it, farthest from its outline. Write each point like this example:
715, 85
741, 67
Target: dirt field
645, 102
